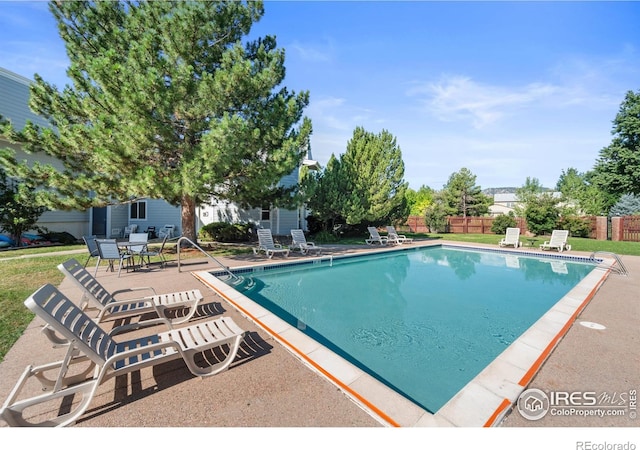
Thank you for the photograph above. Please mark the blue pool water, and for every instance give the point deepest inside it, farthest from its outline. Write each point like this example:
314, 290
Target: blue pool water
423, 321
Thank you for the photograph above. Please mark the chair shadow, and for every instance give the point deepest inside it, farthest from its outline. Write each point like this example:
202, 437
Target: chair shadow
128, 388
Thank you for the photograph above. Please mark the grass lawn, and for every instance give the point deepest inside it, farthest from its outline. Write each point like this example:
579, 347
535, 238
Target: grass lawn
22, 276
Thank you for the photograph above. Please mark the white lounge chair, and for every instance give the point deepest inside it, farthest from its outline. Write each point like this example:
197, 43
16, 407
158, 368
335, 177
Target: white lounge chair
375, 238
400, 238
266, 245
130, 229
95, 357
558, 241
109, 307
167, 230
299, 241
511, 237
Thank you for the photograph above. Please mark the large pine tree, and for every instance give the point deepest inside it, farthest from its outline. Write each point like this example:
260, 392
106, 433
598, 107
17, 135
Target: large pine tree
166, 102
463, 196
617, 169
374, 168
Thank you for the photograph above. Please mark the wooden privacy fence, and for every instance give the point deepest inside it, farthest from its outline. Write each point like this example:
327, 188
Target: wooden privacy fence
461, 225
478, 225
416, 224
625, 228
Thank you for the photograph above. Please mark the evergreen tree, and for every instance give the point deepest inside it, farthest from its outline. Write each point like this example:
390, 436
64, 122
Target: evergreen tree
166, 102
374, 169
617, 169
326, 194
463, 196
628, 205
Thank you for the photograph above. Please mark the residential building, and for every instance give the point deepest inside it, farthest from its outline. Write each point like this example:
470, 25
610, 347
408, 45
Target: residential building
503, 204
14, 99
111, 221
279, 221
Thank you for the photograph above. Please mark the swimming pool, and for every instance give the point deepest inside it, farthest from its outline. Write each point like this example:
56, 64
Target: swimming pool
425, 321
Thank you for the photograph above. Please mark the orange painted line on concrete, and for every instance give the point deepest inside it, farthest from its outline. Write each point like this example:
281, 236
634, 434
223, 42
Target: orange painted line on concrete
306, 358
504, 405
545, 354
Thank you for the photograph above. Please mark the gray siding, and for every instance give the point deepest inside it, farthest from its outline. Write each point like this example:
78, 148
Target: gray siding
159, 214
118, 220
14, 106
291, 179
287, 220
281, 222
75, 223
14, 100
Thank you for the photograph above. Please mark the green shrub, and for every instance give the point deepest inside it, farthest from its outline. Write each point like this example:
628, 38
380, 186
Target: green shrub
435, 216
325, 237
502, 222
542, 214
226, 232
577, 226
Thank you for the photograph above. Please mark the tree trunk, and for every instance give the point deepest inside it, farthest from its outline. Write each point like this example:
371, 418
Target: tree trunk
189, 217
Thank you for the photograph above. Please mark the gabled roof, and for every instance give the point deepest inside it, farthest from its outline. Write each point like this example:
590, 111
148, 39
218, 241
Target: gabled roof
311, 164
501, 198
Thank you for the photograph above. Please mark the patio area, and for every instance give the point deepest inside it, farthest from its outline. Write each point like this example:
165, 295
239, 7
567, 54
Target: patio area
268, 386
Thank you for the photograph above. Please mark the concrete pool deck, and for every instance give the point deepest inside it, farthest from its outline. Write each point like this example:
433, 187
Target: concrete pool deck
269, 386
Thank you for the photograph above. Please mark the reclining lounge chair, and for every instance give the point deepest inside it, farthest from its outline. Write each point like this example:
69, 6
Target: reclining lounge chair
266, 245
558, 241
392, 234
299, 241
95, 295
511, 237
106, 358
375, 238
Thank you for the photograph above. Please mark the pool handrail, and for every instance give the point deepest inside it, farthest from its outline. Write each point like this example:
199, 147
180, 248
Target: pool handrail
214, 259
620, 270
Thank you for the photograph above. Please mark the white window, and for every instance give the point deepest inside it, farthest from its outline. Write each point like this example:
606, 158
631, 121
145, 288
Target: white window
138, 210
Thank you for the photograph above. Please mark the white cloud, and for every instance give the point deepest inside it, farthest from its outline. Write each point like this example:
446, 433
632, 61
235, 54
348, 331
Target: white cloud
334, 113
595, 83
312, 53
459, 98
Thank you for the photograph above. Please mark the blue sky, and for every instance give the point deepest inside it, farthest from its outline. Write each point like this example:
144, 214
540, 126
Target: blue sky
509, 90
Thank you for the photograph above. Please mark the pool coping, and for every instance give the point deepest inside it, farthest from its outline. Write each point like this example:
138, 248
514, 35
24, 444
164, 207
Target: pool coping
483, 402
